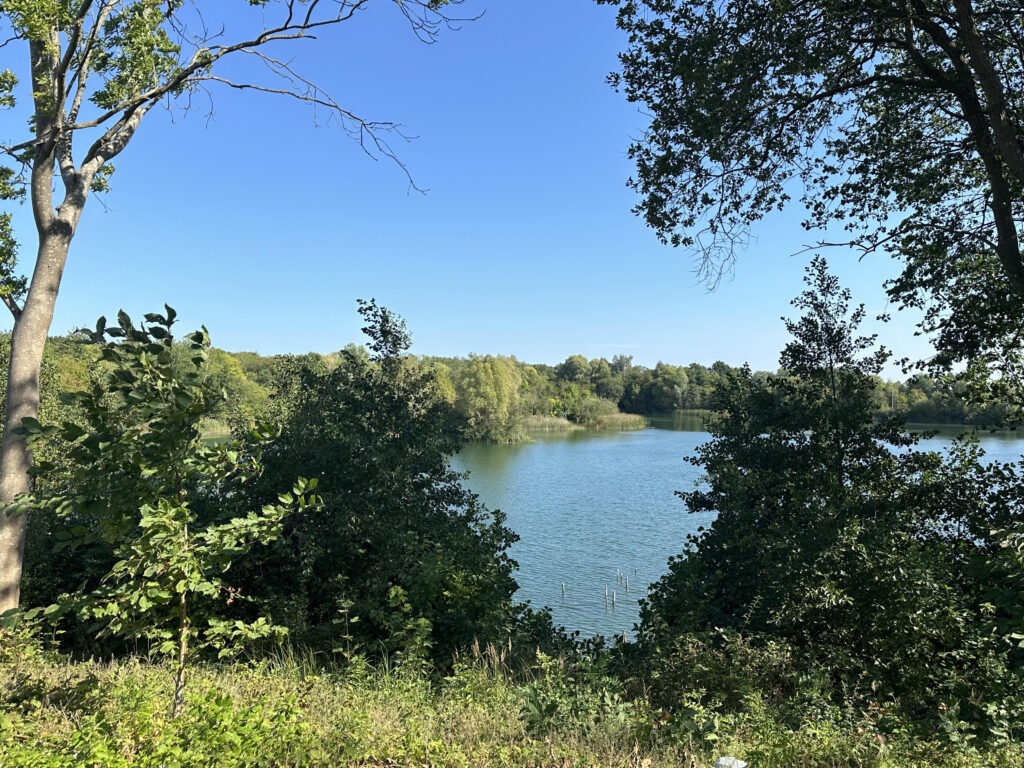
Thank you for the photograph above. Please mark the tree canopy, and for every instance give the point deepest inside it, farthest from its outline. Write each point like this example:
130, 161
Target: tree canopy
876, 563
901, 123
400, 557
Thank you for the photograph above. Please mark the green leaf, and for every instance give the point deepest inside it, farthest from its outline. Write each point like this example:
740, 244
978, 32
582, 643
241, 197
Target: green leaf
30, 425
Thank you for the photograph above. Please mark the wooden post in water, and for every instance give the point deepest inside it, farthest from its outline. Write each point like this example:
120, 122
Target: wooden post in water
613, 598
563, 589
627, 583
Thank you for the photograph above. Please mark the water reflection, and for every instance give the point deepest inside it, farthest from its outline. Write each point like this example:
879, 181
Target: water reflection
680, 421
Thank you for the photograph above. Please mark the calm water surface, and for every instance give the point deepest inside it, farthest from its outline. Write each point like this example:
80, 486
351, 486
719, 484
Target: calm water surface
595, 508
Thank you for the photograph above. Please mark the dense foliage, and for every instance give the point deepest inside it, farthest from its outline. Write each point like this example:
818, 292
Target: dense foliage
68, 366
400, 557
899, 125
875, 565
293, 712
135, 465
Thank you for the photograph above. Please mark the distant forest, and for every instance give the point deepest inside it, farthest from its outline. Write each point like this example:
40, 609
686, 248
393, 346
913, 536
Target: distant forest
501, 399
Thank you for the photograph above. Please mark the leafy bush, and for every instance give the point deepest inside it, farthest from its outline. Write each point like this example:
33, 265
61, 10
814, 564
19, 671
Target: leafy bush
138, 461
871, 563
400, 558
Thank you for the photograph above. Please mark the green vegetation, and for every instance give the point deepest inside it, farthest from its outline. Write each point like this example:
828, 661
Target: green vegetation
400, 558
502, 399
136, 462
841, 552
855, 603
394, 558
295, 713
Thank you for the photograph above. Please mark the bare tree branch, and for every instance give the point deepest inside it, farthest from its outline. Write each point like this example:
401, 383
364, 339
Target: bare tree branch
13, 306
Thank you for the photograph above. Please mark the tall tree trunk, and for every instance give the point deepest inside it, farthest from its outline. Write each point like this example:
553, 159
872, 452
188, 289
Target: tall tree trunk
27, 342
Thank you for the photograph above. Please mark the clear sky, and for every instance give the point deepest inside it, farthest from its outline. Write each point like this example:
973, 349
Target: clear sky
266, 227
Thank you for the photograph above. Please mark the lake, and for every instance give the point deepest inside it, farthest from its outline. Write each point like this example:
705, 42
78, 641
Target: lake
594, 509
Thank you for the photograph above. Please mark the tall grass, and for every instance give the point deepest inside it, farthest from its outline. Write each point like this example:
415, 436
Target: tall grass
622, 421
540, 423
298, 709
616, 420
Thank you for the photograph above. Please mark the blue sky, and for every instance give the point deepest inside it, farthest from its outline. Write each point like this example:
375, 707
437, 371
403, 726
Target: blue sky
266, 227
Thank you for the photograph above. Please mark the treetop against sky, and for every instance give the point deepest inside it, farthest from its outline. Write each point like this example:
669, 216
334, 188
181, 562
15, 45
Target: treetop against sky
259, 218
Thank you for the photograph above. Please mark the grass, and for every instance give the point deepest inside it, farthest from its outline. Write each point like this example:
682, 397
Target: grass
296, 711
214, 431
538, 423
620, 421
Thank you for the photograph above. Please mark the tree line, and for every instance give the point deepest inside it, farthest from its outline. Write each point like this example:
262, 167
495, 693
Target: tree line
499, 398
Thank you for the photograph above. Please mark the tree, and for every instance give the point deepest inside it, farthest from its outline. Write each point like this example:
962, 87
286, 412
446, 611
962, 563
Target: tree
876, 563
606, 383
97, 68
488, 397
636, 395
903, 122
243, 399
575, 370
621, 363
399, 543
668, 387
139, 464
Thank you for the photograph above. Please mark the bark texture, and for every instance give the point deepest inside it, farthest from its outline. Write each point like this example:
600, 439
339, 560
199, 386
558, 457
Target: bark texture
27, 342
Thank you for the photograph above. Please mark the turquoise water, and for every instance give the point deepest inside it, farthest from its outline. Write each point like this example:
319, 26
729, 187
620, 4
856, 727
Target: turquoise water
595, 508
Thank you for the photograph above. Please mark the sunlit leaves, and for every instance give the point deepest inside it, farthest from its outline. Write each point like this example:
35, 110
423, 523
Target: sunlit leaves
8, 81
12, 285
137, 53
139, 465
34, 19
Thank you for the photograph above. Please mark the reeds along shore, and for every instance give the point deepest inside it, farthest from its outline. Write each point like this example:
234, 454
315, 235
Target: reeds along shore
611, 421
